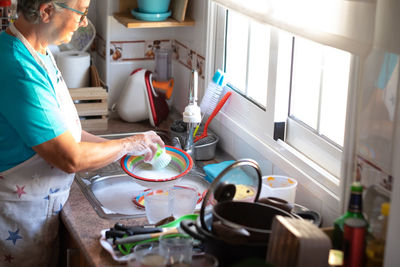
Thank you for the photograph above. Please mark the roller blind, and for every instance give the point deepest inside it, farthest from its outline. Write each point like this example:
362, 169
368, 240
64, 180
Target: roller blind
344, 24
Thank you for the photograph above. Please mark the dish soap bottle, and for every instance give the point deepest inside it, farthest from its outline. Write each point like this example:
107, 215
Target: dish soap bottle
375, 250
354, 211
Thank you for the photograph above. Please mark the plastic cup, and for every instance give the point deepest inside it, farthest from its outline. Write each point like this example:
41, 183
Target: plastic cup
156, 206
147, 255
279, 186
182, 200
178, 249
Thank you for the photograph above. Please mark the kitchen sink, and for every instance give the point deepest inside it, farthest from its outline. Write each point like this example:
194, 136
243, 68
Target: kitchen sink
111, 191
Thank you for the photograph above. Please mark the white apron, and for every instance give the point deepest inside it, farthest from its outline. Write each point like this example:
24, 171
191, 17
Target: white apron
33, 193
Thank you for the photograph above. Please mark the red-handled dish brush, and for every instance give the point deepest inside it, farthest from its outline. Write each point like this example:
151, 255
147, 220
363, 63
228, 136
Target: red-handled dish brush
220, 104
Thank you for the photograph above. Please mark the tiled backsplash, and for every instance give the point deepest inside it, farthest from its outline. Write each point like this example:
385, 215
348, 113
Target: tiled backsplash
144, 50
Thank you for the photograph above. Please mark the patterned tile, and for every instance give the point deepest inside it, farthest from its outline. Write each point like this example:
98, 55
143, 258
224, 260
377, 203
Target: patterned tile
200, 62
136, 50
144, 50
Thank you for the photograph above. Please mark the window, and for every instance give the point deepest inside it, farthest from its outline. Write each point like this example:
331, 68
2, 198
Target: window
247, 57
320, 80
286, 78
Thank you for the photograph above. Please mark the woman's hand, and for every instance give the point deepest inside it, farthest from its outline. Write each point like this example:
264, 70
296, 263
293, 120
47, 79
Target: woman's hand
143, 144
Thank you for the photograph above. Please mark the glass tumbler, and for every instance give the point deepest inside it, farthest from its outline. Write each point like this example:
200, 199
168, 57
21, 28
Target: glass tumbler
177, 249
156, 205
182, 200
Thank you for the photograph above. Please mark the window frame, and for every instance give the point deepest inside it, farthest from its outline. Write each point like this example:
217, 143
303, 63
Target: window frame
287, 155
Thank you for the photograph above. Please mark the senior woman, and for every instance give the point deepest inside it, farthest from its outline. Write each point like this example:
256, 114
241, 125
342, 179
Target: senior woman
41, 141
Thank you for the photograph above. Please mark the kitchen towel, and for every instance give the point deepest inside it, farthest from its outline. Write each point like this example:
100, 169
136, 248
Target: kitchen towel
74, 67
213, 170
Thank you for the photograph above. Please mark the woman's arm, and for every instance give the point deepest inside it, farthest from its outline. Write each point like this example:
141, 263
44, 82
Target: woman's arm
88, 137
66, 154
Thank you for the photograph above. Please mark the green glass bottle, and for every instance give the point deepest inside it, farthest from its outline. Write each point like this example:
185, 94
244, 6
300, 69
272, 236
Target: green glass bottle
354, 211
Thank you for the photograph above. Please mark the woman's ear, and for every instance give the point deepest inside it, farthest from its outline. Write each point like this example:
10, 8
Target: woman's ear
46, 12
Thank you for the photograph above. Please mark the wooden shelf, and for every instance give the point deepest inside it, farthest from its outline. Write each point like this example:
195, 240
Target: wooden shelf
128, 21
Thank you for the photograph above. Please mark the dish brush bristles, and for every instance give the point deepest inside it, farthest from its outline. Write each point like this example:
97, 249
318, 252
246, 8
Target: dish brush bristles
161, 159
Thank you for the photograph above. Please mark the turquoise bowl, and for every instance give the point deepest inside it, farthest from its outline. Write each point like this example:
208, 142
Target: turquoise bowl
153, 6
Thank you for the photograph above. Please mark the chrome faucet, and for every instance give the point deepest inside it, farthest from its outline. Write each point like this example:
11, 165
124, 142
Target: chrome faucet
192, 114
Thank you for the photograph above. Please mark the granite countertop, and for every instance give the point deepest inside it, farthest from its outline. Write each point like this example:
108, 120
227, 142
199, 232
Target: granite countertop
82, 221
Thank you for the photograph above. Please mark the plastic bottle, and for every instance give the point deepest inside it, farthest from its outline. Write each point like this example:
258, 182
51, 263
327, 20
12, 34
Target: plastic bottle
375, 250
354, 211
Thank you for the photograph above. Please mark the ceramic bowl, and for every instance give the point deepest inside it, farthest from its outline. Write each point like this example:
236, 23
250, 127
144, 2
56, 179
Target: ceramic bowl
153, 6
150, 16
147, 176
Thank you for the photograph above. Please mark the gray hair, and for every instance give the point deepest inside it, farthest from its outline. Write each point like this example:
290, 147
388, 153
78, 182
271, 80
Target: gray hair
30, 8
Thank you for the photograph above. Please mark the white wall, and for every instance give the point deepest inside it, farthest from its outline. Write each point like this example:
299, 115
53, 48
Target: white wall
233, 140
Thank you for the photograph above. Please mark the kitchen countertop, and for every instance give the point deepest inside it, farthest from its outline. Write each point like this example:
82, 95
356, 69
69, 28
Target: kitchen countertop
78, 215
82, 221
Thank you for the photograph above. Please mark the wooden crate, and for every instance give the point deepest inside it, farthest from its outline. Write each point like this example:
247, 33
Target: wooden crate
91, 103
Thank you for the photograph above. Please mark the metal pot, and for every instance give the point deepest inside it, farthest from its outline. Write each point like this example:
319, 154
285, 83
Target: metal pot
253, 220
232, 224
227, 253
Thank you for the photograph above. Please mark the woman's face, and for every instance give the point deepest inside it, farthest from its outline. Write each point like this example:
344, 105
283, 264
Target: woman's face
67, 21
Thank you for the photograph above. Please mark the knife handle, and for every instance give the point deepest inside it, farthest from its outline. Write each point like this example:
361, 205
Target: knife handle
134, 230
137, 238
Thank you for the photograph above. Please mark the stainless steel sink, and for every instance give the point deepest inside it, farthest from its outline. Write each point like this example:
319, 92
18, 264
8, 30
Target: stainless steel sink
110, 191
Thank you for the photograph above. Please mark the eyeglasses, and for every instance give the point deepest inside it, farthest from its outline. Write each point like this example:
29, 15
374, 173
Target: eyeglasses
84, 14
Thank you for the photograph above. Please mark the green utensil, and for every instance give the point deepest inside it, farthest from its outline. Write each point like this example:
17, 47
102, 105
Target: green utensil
177, 222
127, 248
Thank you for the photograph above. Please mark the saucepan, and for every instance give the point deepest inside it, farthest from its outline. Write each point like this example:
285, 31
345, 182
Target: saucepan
232, 223
226, 252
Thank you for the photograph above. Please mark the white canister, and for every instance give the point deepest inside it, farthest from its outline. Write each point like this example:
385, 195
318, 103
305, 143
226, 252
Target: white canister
75, 68
282, 187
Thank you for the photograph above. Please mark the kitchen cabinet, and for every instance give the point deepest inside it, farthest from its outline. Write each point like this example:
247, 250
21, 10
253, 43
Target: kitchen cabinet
70, 254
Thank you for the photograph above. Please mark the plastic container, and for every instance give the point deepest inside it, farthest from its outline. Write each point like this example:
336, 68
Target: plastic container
282, 187
206, 150
375, 250
162, 70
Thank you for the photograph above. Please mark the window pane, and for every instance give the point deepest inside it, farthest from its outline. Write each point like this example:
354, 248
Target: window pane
258, 63
237, 50
283, 76
319, 88
334, 94
306, 80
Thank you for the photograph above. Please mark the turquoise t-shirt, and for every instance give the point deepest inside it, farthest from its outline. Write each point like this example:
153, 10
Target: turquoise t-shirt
29, 111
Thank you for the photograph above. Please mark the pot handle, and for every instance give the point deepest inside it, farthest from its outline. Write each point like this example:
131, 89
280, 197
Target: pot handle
187, 226
277, 202
311, 215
